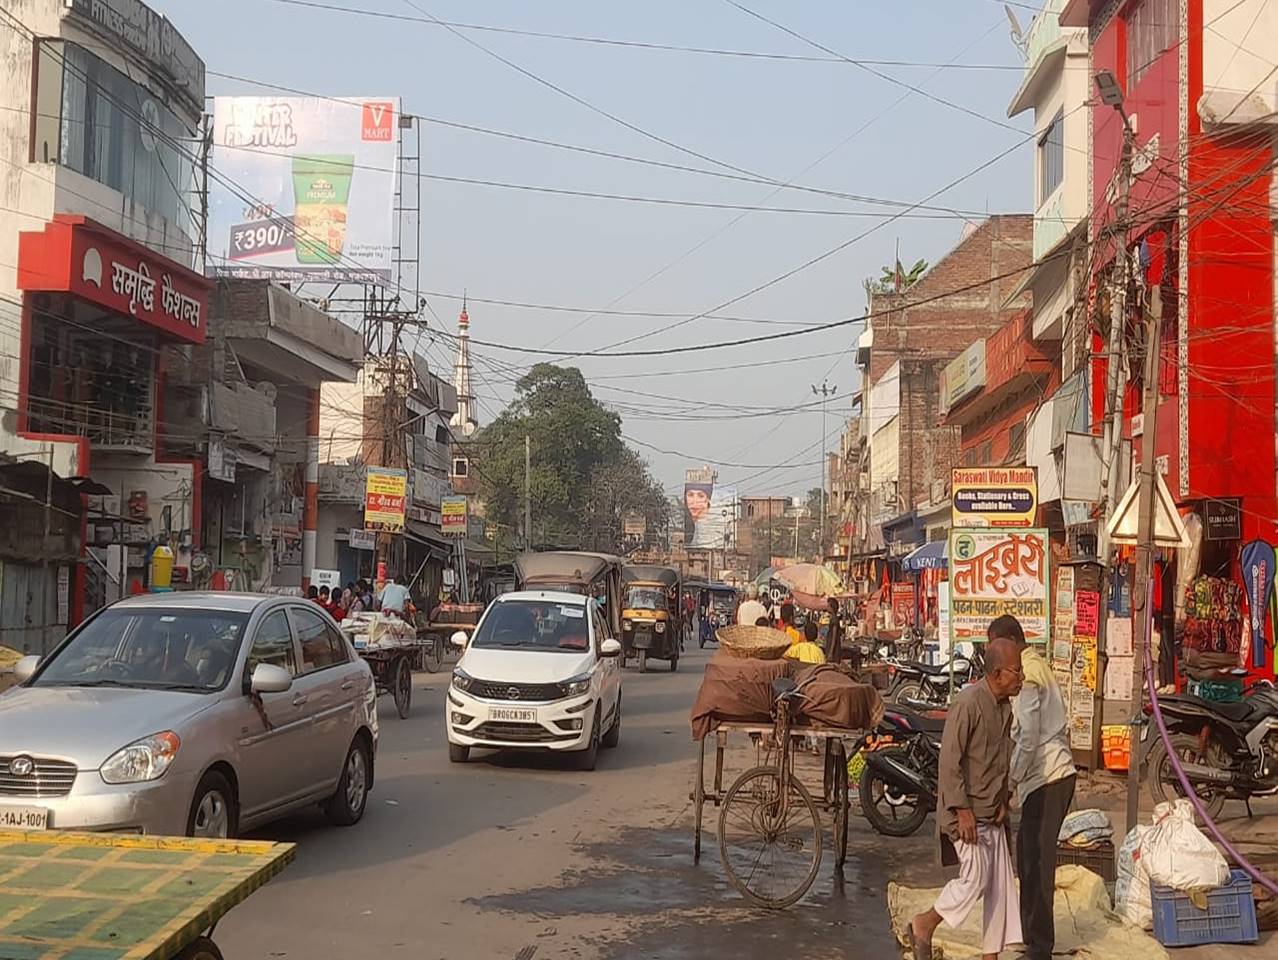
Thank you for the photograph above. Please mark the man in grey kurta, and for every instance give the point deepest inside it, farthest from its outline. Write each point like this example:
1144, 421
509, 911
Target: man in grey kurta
972, 806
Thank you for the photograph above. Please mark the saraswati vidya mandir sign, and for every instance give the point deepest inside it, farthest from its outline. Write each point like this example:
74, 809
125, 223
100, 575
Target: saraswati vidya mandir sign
1005, 497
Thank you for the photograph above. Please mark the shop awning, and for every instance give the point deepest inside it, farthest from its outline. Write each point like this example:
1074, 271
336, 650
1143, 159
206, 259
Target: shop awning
429, 536
930, 556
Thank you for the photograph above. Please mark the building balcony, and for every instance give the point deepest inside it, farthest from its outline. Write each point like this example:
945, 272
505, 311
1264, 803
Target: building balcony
243, 413
125, 424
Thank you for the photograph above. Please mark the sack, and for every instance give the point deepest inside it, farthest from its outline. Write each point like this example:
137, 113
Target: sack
1085, 827
831, 699
736, 689
1177, 854
1131, 891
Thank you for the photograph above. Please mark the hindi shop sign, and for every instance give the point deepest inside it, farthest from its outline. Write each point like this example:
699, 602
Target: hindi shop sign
453, 516
385, 494
994, 496
993, 572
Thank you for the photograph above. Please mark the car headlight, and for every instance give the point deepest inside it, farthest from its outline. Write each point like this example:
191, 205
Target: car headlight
661, 626
626, 625
578, 686
462, 680
143, 760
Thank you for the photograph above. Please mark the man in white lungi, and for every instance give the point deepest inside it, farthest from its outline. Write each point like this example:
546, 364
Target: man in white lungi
972, 808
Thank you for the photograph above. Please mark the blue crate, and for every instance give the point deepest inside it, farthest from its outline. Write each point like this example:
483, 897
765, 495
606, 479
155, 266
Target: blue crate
1230, 916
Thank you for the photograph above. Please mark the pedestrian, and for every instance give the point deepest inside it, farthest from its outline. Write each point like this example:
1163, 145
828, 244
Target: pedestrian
834, 639
312, 593
786, 623
1044, 775
807, 650
394, 595
751, 609
972, 809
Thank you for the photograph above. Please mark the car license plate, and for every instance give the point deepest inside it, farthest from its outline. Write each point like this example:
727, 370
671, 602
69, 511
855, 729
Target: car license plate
24, 818
516, 714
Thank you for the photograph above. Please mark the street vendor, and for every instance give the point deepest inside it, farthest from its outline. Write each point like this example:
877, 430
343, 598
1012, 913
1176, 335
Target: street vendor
807, 650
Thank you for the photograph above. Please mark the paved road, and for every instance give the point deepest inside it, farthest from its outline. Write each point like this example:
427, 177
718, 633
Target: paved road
513, 857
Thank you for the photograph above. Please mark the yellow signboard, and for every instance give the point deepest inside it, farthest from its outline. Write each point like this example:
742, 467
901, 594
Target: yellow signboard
1003, 497
385, 494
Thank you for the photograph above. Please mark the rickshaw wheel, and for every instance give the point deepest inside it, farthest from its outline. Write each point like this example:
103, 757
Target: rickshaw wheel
403, 688
201, 949
674, 662
643, 661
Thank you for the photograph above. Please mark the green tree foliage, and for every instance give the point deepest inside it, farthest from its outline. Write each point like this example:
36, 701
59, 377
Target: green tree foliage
583, 478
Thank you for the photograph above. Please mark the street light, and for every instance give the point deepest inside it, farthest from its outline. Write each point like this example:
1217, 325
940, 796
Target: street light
1111, 93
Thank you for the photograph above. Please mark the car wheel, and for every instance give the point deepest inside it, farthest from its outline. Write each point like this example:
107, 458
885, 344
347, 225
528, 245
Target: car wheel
212, 814
346, 806
613, 736
588, 759
458, 753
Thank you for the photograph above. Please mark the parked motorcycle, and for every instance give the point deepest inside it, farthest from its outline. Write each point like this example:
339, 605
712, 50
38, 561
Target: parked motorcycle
923, 686
1227, 750
902, 763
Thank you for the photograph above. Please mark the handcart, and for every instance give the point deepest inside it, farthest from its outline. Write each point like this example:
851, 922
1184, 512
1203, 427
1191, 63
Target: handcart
390, 647
770, 831
119, 897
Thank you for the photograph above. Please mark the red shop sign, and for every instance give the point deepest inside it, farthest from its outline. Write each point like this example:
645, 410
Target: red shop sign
76, 255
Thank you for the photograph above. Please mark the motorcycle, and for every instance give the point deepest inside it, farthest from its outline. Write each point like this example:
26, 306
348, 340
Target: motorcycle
902, 766
922, 685
1227, 750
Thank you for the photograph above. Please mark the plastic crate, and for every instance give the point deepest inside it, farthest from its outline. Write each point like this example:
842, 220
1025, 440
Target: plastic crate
1098, 859
1116, 746
1230, 916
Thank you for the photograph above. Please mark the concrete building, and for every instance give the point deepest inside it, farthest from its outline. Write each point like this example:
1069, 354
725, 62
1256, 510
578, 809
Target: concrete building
910, 338
98, 284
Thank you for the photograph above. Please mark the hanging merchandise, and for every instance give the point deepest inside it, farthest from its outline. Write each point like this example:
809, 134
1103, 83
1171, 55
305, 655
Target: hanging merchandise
1213, 616
1258, 580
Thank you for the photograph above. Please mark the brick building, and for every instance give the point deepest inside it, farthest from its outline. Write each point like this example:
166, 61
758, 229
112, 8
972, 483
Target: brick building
910, 338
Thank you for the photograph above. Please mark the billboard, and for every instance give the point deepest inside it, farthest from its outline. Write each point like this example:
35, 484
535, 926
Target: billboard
315, 188
993, 572
994, 496
709, 513
385, 493
452, 516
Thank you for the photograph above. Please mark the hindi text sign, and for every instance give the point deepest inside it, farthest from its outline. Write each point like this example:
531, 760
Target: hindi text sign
385, 493
996, 572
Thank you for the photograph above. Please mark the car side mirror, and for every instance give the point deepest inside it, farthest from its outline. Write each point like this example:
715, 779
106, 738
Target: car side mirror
610, 648
459, 639
268, 678
25, 668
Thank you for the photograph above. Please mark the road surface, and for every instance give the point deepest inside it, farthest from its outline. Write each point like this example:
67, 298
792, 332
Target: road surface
518, 857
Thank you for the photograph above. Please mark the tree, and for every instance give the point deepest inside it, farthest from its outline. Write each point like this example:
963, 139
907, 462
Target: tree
582, 472
895, 275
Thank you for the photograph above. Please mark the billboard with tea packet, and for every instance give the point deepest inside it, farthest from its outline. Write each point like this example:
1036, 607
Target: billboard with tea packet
304, 188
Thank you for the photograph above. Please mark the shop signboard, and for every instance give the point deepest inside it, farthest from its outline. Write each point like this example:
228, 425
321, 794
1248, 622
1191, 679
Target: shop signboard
320, 174
1222, 519
363, 539
903, 604
963, 376
943, 618
994, 496
995, 572
453, 516
385, 496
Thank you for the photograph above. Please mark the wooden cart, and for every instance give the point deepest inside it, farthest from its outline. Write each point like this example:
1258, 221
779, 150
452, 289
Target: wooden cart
392, 668
833, 797
116, 897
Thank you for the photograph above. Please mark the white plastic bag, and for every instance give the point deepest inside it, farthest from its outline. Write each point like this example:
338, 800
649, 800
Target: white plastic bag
1131, 891
1177, 854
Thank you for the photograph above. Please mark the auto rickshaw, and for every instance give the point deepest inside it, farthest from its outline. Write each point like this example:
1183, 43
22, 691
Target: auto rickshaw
718, 609
650, 617
591, 574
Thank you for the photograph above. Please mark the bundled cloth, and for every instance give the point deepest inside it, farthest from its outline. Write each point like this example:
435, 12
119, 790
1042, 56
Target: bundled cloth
1086, 828
740, 690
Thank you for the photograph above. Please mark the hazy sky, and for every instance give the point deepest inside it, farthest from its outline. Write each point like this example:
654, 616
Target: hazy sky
774, 118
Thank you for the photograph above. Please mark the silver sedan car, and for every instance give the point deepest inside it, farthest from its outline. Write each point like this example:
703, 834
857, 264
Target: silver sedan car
198, 714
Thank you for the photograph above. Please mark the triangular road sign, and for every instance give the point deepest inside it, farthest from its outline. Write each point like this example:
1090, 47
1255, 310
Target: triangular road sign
1169, 531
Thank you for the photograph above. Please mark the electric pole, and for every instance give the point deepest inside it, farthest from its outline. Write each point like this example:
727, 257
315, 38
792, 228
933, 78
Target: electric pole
824, 392
527, 491
1145, 535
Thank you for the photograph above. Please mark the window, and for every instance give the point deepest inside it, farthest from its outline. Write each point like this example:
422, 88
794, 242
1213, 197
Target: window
273, 644
441, 433
985, 454
1016, 441
969, 457
1153, 27
461, 467
1051, 157
322, 644
749, 509
100, 123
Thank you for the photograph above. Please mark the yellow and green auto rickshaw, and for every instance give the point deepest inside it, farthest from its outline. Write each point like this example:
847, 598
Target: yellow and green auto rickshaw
650, 617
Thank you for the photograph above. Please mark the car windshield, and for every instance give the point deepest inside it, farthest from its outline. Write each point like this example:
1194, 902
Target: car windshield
173, 649
534, 625
723, 601
645, 598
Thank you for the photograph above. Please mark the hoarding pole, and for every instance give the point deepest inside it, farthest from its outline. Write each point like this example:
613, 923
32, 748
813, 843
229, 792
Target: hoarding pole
1145, 537
527, 492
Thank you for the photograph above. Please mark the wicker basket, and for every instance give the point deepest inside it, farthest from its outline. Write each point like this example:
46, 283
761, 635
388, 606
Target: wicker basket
749, 642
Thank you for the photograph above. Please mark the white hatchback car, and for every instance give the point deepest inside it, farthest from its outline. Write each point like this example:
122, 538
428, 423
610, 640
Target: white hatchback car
540, 672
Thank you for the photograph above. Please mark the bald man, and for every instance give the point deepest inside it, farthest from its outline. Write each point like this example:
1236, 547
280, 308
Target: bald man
971, 808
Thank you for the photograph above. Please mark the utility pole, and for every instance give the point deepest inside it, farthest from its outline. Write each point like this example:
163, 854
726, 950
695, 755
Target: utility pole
824, 392
527, 492
1145, 535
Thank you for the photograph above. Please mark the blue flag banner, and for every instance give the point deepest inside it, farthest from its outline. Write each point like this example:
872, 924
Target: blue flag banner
1258, 581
